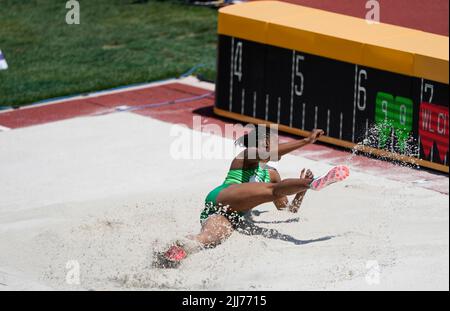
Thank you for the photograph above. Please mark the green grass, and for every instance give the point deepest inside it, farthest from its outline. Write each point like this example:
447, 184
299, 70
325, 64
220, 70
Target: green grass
118, 42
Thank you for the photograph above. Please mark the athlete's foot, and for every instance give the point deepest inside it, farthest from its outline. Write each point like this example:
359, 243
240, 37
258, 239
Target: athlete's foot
171, 258
175, 253
337, 173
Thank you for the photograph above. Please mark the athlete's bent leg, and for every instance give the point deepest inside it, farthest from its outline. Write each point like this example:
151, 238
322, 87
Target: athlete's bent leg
215, 230
244, 197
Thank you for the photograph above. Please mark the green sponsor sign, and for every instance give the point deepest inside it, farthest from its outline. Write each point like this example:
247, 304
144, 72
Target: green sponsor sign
393, 115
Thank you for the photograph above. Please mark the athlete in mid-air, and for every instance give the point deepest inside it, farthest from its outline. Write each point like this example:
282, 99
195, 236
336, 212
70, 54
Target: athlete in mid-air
251, 182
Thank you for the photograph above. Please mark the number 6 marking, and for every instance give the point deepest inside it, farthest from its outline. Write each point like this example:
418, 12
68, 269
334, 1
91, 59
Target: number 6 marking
361, 89
359, 74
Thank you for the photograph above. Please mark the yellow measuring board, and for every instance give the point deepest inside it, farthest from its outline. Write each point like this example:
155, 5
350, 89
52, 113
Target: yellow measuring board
387, 47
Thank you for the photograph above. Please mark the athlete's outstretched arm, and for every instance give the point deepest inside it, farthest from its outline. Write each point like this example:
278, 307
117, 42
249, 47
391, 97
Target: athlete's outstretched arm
254, 154
286, 148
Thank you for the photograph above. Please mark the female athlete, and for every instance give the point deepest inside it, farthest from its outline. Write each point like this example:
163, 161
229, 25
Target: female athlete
249, 183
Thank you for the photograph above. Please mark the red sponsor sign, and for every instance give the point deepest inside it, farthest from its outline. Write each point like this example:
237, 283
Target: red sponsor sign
434, 128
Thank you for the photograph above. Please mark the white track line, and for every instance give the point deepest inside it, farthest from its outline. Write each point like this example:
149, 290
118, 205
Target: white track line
4, 128
188, 81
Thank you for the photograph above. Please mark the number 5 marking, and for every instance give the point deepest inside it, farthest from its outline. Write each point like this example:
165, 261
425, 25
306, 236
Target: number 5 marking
298, 73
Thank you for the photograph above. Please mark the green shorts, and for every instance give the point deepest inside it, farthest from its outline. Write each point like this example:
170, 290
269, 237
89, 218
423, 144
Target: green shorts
213, 208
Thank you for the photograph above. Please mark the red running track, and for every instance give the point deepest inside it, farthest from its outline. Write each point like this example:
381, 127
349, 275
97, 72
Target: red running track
426, 15
103, 103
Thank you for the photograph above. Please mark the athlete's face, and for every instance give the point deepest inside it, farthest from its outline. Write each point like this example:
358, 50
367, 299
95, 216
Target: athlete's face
270, 141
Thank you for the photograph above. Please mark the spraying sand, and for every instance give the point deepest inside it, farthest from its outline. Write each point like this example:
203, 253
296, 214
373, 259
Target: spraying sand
102, 193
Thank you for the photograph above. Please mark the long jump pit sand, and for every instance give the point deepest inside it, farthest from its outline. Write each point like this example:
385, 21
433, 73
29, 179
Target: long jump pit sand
85, 202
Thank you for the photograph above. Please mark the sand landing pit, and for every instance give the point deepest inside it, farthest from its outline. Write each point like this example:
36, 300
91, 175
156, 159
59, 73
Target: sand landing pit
103, 192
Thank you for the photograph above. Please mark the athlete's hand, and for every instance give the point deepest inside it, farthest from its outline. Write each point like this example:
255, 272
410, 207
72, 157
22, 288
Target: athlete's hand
306, 174
315, 134
309, 174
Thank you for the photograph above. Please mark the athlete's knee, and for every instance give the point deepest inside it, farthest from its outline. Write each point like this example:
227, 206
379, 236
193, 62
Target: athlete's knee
216, 230
219, 238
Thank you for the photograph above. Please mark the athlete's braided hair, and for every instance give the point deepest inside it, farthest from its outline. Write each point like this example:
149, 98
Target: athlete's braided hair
253, 138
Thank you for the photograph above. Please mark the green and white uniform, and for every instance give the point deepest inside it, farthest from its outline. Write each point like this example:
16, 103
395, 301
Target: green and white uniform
238, 176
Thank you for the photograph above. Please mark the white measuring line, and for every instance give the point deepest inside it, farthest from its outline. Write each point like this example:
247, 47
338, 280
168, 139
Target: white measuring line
292, 89
355, 95
230, 104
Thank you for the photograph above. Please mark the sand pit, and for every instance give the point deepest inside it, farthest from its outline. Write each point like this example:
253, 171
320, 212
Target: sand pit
103, 193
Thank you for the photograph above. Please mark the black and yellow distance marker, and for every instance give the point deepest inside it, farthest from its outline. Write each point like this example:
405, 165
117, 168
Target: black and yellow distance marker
305, 68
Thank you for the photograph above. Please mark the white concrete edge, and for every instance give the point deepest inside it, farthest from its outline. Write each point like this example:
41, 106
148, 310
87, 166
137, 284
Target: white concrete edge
4, 128
193, 81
